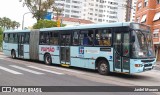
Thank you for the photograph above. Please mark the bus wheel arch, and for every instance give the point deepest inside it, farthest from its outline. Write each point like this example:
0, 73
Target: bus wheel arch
102, 65
13, 54
47, 58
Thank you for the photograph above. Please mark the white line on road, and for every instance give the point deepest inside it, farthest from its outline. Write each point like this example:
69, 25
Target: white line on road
9, 70
25, 69
45, 70
73, 71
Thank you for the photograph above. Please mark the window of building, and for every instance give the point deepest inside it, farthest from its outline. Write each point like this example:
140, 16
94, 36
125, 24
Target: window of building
103, 37
157, 16
86, 37
156, 33
145, 3
139, 5
158, 1
138, 19
143, 18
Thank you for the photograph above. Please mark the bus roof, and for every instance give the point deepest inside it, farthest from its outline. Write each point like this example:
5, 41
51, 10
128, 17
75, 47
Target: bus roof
86, 26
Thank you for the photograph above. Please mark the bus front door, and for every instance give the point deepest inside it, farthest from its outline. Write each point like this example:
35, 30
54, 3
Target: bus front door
65, 49
20, 45
122, 52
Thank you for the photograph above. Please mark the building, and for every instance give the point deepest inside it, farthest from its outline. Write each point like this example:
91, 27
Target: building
96, 10
131, 10
73, 21
148, 12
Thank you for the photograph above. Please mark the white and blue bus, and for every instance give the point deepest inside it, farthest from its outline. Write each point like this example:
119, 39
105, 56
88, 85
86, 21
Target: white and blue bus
115, 47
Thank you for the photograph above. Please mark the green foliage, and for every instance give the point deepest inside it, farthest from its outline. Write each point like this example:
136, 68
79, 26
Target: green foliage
45, 24
38, 7
7, 23
1, 36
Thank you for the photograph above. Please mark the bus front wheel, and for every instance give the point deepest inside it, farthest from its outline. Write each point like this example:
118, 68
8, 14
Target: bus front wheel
103, 67
13, 54
48, 59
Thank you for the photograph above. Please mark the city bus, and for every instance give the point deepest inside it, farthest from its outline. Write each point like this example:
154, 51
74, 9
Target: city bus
122, 47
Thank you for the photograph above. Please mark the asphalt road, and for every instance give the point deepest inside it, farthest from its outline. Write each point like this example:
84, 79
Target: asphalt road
16, 72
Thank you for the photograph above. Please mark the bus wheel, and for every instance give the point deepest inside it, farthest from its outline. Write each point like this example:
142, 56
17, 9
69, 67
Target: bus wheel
48, 59
103, 67
13, 54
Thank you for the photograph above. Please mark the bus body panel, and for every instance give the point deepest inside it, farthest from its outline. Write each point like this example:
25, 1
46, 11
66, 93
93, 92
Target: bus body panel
144, 66
85, 57
26, 51
52, 50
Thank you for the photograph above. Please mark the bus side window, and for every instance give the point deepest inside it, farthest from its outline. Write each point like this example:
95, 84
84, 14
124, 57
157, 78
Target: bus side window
86, 37
15, 38
75, 38
26, 38
103, 37
6, 37
54, 38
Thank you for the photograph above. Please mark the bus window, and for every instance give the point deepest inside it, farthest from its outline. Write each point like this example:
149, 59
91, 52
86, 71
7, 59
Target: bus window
75, 38
86, 37
11, 38
6, 37
126, 44
44, 38
15, 38
26, 39
103, 37
54, 38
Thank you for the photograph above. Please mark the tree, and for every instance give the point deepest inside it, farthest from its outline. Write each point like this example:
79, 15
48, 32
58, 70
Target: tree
7, 23
1, 36
38, 8
45, 24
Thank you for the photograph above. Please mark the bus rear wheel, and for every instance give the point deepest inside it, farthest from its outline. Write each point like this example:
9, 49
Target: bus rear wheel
103, 67
13, 54
48, 59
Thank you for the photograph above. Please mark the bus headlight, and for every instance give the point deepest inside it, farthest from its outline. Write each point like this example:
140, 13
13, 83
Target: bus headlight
138, 65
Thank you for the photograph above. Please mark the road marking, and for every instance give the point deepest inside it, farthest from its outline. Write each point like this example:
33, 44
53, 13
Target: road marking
73, 71
46, 70
25, 69
9, 70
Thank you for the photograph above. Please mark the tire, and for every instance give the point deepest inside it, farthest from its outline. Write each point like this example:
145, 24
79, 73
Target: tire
103, 67
47, 59
13, 54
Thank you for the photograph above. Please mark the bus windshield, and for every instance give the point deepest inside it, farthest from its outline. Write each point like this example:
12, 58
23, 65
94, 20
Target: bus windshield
143, 45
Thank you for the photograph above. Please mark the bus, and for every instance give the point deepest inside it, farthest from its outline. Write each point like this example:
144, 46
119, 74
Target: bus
122, 47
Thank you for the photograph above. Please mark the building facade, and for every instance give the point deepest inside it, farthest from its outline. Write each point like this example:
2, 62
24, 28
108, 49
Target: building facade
148, 12
98, 11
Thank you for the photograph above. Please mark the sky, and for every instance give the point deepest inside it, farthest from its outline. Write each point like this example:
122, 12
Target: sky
14, 10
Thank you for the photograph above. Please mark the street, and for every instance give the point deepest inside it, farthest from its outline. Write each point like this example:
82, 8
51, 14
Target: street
17, 72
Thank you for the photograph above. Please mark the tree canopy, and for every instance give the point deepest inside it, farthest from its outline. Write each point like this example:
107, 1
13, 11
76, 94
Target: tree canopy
7, 23
45, 24
38, 8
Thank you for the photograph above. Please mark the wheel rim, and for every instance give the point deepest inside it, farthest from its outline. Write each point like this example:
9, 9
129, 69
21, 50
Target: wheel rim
13, 55
48, 60
103, 67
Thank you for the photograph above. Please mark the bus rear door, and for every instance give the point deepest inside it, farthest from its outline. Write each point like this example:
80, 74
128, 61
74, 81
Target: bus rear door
122, 52
21, 45
65, 39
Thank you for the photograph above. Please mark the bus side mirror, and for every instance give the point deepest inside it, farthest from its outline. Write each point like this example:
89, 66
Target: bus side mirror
133, 39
